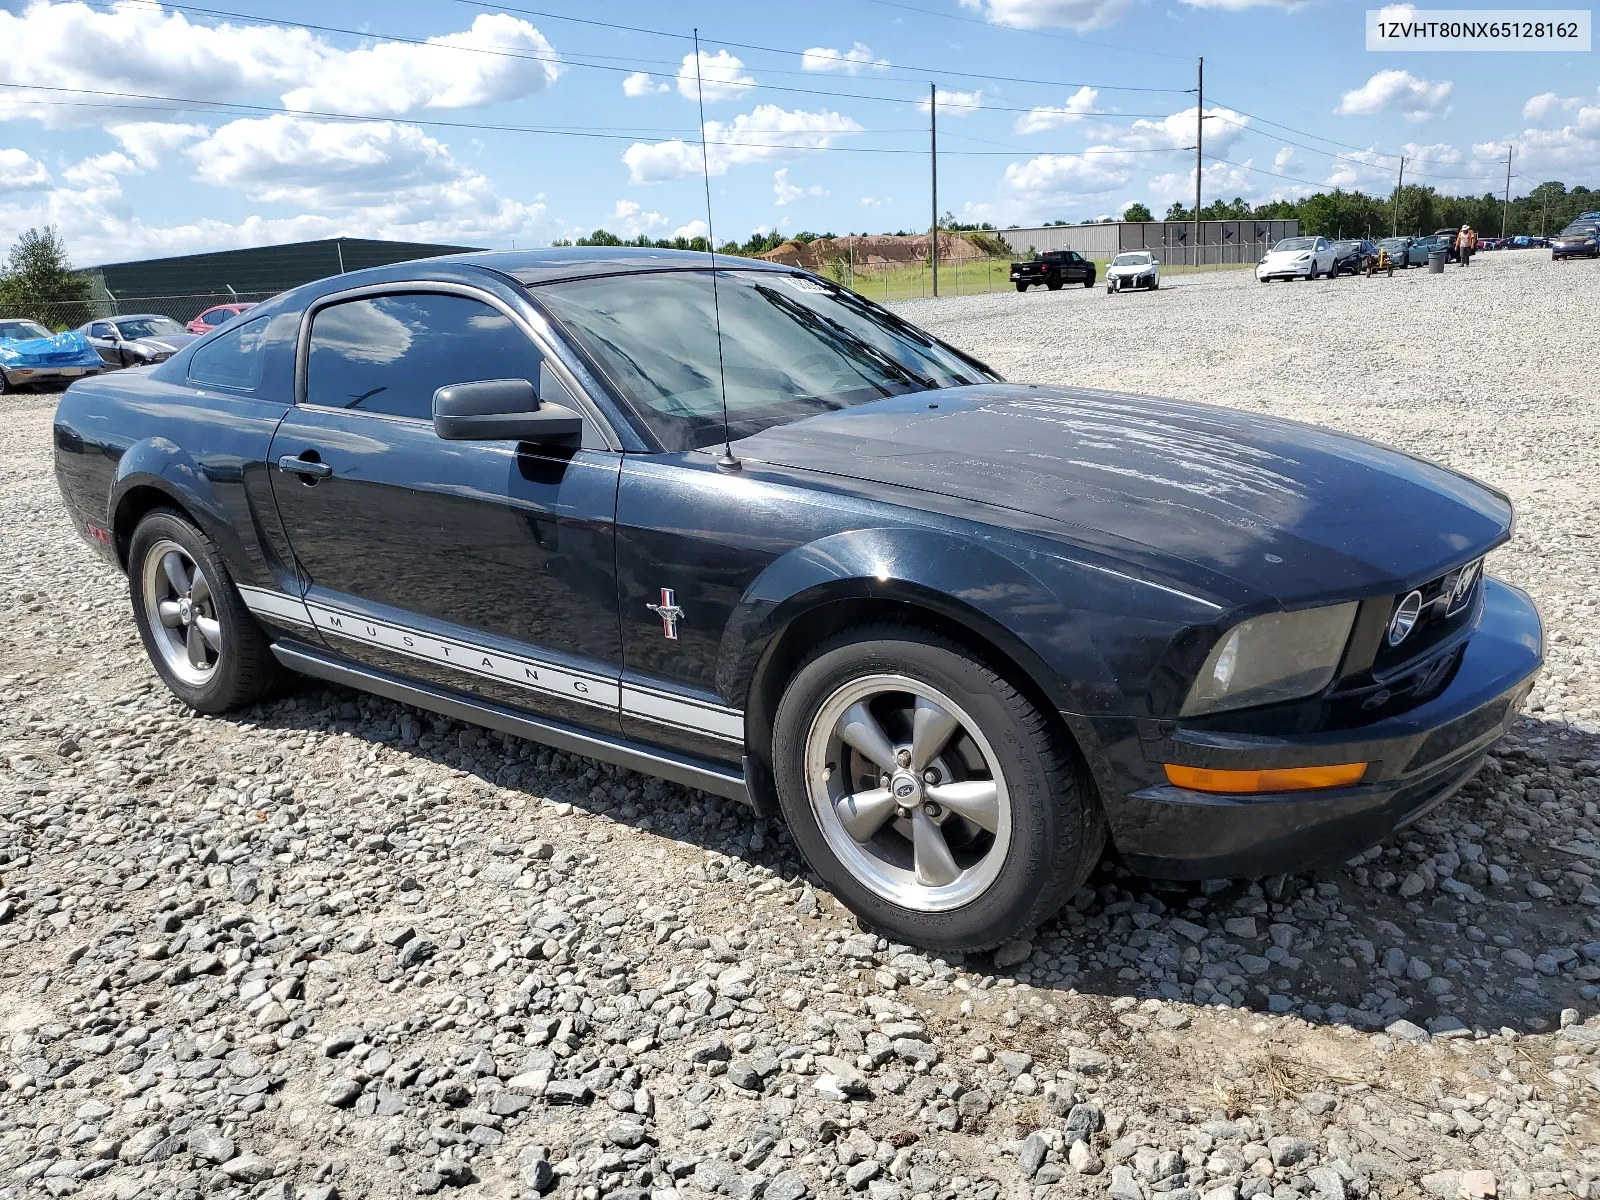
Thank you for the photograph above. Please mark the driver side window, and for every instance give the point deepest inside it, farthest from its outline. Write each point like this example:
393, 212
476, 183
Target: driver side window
390, 353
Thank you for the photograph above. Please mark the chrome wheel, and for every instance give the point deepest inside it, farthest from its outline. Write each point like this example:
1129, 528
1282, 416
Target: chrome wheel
182, 613
906, 791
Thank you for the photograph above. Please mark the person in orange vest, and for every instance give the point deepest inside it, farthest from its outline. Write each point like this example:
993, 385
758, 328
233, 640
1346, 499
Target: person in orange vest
1466, 244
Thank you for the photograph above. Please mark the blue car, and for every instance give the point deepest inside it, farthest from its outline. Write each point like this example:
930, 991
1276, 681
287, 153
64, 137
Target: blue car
30, 354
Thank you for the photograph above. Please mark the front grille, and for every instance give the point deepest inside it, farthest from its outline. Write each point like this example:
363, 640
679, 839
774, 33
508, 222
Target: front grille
1446, 605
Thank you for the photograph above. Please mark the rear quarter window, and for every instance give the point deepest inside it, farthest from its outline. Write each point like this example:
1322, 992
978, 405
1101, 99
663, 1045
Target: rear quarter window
232, 361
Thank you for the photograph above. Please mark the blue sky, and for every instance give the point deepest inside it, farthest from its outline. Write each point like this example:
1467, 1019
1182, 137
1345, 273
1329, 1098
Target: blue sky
141, 129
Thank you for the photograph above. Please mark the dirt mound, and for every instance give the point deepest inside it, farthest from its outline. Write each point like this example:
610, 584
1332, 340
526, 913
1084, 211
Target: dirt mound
871, 251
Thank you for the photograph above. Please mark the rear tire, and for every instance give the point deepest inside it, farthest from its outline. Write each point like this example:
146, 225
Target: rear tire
1033, 834
199, 635
1022, 287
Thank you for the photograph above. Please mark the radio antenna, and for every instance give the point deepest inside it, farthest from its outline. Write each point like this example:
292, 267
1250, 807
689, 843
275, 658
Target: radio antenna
725, 461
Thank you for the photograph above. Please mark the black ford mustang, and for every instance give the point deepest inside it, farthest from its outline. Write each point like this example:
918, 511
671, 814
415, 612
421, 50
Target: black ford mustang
957, 631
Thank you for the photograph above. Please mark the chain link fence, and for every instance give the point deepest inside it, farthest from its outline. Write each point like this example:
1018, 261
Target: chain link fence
57, 315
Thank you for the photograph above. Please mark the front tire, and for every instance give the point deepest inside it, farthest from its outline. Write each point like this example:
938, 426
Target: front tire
987, 823
1054, 286
199, 635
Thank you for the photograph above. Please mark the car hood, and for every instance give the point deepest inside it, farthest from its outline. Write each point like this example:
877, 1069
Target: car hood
1134, 269
1296, 511
167, 343
1286, 256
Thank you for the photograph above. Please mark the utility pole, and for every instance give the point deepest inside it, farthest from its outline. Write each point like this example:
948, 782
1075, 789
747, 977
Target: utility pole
1399, 190
1505, 208
1199, 157
933, 166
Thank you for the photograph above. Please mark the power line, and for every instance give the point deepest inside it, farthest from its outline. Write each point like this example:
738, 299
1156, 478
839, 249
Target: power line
597, 132
1340, 157
629, 66
911, 67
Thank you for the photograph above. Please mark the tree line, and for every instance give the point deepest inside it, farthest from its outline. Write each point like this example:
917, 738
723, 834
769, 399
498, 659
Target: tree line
1422, 209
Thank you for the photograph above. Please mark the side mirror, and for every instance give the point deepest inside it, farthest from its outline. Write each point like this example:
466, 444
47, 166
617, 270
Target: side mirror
495, 410
1155, 262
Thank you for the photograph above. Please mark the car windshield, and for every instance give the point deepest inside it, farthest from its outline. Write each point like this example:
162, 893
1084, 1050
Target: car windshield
1131, 260
1343, 246
134, 328
1295, 244
792, 347
22, 331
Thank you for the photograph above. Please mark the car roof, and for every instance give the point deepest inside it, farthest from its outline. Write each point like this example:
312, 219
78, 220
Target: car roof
580, 262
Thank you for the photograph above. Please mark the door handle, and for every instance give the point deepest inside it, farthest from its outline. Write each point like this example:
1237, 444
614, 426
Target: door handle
310, 468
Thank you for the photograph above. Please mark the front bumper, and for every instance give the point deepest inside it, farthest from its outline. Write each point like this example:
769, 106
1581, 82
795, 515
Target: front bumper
23, 374
1417, 759
1287, 271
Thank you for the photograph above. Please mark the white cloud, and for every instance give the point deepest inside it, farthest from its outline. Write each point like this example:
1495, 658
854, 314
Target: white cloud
876, 201
692, 230
383, 179
722, 76
955, 104
641, 83
100, 170
784, 191
1286, 161
765, 133
1056, 179
1221, 180
500, 58
1224, 127
20, 171
317, 164
99, 225
149, 143
1241, 5
1035, 14
138, 47
1548, 104
1039, 120
629, 219
849, 62
1397, 91
787, 193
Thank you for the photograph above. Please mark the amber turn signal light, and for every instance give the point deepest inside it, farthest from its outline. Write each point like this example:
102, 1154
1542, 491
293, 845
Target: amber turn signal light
1284, 779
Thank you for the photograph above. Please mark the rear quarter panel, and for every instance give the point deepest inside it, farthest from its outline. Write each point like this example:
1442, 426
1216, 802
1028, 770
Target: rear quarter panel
126, 441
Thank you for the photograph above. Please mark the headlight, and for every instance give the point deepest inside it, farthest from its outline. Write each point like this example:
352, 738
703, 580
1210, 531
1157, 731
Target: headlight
1272, 658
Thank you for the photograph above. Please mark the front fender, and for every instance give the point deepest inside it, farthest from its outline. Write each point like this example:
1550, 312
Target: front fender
956, 577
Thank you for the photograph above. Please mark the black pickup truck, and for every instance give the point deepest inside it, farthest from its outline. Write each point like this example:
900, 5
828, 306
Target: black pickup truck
1053, 268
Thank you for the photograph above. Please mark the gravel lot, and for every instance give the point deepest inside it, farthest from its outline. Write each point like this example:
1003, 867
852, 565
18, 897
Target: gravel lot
333, 946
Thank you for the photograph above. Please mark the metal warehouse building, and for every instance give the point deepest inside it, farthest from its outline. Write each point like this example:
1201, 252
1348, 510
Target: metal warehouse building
1171, 241
183, 287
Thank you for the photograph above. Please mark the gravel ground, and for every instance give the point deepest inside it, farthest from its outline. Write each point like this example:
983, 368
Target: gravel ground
335, 947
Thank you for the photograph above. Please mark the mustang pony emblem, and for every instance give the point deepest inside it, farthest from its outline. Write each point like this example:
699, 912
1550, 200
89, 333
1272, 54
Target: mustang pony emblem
669, 612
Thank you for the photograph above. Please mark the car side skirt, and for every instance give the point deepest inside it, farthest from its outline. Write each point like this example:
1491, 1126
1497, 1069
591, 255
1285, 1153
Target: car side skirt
718, 779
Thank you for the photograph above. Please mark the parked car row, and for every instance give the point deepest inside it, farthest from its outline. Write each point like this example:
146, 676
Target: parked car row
31, 355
